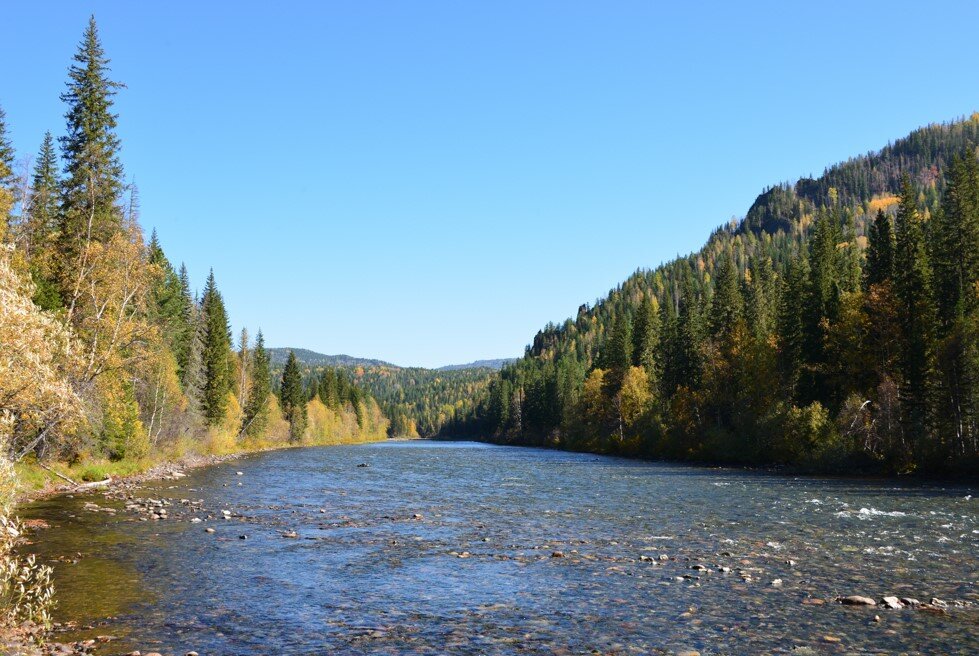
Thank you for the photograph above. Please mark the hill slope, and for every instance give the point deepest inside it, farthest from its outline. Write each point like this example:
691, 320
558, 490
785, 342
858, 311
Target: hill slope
418, 401
671, 361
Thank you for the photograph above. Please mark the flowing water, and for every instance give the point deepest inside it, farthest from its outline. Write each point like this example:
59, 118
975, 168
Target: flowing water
463, 548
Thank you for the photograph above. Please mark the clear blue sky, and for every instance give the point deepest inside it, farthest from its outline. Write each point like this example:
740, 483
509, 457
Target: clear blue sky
431, 182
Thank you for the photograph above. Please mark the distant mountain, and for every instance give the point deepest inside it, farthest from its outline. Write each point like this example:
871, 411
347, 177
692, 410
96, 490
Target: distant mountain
495, 365
314, 359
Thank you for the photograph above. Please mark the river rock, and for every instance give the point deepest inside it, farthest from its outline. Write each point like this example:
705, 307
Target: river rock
209, 530
857, 600
557, 554
290, 534
191, 653
910, 601
892, 602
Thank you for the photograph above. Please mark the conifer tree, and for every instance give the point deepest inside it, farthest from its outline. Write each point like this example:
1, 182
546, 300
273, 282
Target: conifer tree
41, 220
726, 305
183, 340
193, 375
328, 389
912, 280
955, 263
790, 327
645, 337
616, 355
880, 250
93, 173
293, 398
166, 307
217, 353
256, 415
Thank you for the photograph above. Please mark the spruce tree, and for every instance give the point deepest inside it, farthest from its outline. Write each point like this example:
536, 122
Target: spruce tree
293, 398
791, 332
41, 212
256, 415
217, 353
616, 356
880, 250
182, 341
726, 308
955, 265
912, 281
645, 337
93, 173
166, 307
193, 374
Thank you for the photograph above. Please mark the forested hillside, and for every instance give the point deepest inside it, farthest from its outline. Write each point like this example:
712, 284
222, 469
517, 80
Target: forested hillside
108, 353
835, 327
417, 401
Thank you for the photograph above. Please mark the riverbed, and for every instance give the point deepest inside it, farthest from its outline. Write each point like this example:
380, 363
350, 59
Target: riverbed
464, 548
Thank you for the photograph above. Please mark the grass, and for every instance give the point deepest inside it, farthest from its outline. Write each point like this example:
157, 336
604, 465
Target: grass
32, 477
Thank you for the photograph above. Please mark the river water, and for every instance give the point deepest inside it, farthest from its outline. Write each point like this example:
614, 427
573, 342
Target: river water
464, 548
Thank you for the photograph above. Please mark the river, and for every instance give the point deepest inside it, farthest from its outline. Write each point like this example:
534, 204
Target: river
464, 548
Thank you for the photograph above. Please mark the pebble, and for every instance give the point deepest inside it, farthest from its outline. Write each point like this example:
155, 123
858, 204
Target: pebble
857, 600
208, 530
557, 554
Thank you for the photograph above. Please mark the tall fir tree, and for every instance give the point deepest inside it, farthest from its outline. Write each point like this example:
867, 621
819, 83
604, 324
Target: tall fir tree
42, 210
217, 353
912, 286
256, 417
166, 298
880, 250
645, 337
955, 265
293, 398
93, 184
727, 306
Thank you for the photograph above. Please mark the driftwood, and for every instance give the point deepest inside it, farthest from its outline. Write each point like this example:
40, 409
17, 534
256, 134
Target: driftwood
94, 484
59, 475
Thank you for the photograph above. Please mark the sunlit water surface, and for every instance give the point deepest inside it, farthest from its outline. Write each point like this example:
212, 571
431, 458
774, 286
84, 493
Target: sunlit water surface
448, 548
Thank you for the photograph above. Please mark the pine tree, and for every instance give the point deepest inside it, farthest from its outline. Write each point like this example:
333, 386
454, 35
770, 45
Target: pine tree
182, 342
791, 332
42, 210
217, 353
616, 355
328, 388
193, 374
880, 250
956, 243
821, 308
912, 280
645, 337
760, 293
293, 398
955, 263
166, 307
256, 417
93, 173
727, 308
